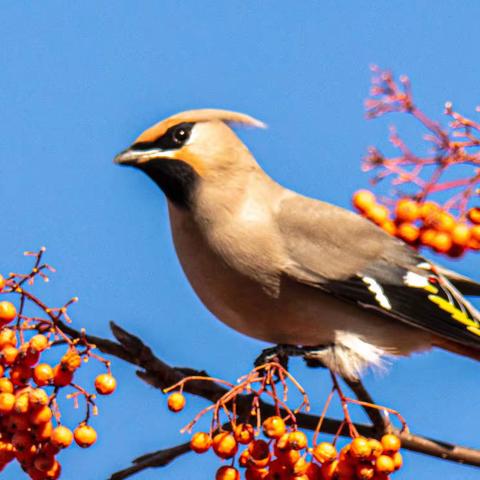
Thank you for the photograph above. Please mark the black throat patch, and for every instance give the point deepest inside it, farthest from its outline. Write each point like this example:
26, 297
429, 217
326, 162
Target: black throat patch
176, 178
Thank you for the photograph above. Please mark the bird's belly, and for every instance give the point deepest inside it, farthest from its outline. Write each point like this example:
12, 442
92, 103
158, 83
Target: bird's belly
295, 314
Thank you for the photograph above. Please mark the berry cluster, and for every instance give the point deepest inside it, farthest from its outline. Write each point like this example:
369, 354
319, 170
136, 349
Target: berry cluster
276, 448
31, 431
448, 173
423, 224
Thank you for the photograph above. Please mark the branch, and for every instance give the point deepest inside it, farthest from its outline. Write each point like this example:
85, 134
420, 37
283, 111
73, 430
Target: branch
161, 375
160, 458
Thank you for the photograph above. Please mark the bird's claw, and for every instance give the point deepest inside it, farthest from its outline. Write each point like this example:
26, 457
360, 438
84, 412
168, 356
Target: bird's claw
281, 354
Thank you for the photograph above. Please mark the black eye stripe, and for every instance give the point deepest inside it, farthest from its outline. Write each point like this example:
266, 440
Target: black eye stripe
174, 137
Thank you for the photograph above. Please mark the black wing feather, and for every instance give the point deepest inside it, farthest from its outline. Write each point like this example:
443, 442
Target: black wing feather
436, 307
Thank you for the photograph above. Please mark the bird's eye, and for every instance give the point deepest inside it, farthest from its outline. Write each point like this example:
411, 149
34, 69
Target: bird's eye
180, 135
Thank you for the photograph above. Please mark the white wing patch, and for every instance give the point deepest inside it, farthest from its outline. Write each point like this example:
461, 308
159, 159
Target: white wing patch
415, 280
377, 290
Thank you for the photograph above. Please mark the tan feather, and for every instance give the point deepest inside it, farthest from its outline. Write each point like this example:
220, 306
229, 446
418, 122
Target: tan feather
195, 116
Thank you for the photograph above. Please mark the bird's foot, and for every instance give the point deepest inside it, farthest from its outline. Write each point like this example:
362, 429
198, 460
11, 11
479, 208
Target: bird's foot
281, 353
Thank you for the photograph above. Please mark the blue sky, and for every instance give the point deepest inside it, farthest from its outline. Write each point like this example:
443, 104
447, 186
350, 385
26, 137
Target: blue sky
79, 81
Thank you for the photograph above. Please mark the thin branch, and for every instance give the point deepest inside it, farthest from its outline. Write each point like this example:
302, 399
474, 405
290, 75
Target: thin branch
379, 421
161, 375
160, 458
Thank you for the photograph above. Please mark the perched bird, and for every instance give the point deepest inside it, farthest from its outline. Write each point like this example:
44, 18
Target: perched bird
288, 269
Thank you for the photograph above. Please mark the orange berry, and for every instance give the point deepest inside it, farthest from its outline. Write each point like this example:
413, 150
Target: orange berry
329, 470
7, 337
85, 436
407, 210
427, 236
360, 448
274, 427
299, 467
22, 403
427, 209
345, 453
365, 472
345, 468
282, 444
363, 200
43, 431
376, 447
26, 455
20, 375
38, 343
475, 232
243, 433
259, 450
38, 397
461, 234
397, 460
313, 471
40, 415
6, 386
384, 465
474, 215
105, 384
54, 472
16, 421
9, 355
61, 377
8, 312
7, 451
244, 460
456, 251
297, 440
389, 227
442, 242
43, 374
176, 402
71, 360
408, 232
61, 437
253, 473
378, 214
200, 442
2, 370
30, 358
227, 473
325, 452
390, 443
288, 457
2, 282
444, 222
7, 402
44, 462
22, 440
474, 244
224, 445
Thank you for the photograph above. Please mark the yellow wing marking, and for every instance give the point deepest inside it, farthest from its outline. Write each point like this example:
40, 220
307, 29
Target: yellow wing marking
456, 313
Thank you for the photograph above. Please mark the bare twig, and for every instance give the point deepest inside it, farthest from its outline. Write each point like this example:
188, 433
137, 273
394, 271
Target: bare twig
161, 375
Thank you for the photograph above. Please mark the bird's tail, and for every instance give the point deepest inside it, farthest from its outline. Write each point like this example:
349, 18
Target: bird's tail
454, 347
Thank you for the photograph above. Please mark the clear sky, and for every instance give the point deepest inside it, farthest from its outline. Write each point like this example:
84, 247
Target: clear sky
79, 81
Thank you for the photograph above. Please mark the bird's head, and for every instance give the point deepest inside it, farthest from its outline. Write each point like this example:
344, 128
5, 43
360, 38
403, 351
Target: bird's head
182, 150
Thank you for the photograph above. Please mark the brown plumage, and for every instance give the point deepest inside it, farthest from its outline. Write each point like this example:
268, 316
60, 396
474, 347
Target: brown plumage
289, 269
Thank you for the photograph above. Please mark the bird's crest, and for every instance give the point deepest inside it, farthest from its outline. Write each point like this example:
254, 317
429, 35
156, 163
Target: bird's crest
202, 115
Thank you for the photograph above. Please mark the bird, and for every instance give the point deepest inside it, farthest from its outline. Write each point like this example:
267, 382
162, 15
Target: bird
288, 269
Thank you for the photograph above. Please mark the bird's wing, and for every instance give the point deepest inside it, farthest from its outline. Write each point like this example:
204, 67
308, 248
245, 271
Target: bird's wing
466, 285
347, 256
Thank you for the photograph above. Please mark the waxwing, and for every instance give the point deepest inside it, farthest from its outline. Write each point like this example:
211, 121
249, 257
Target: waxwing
292, 270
